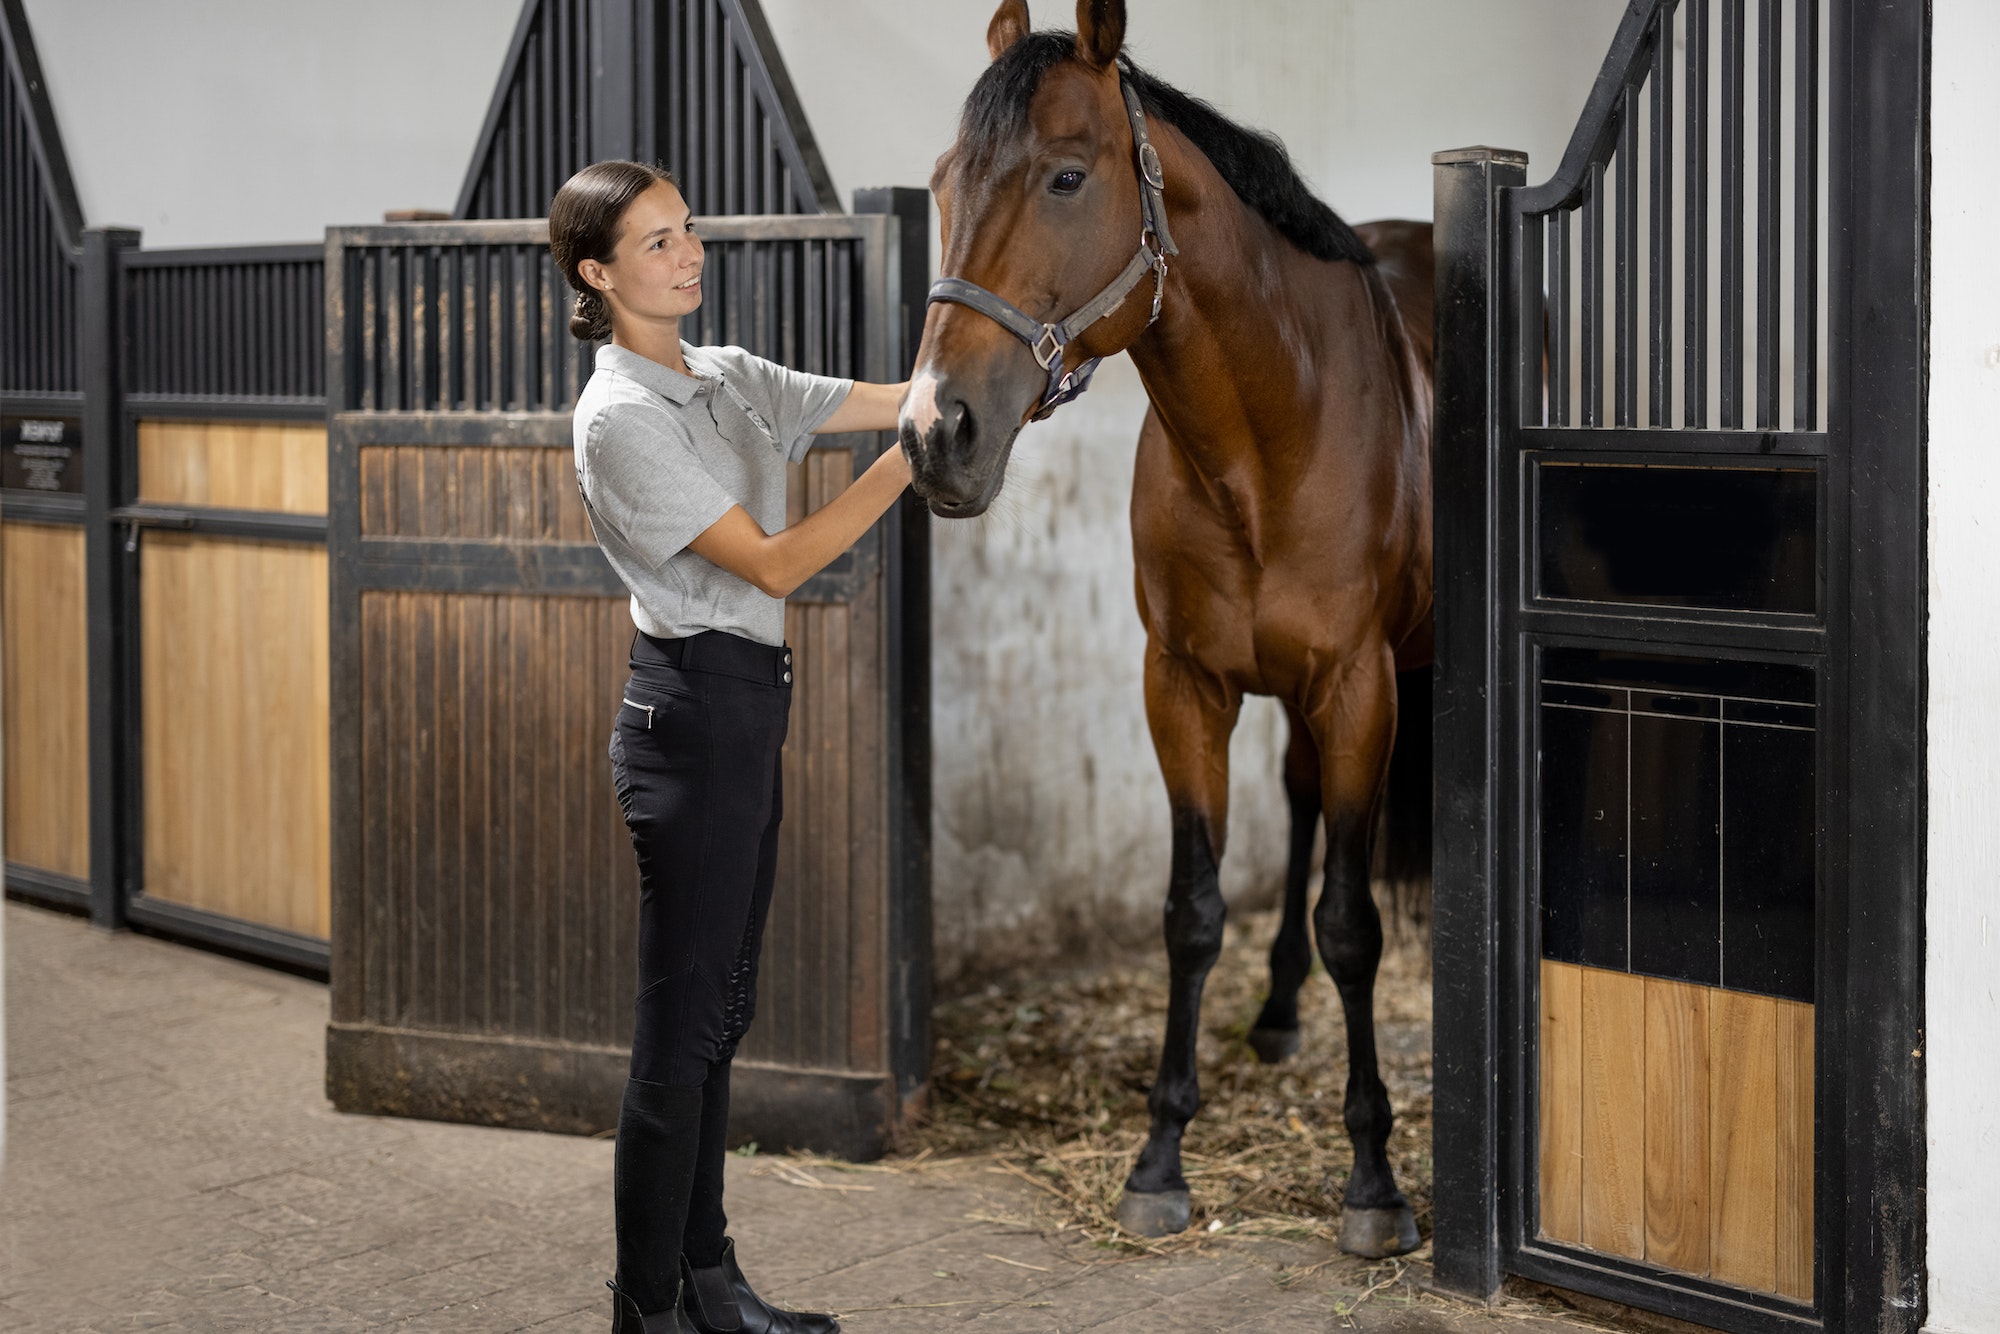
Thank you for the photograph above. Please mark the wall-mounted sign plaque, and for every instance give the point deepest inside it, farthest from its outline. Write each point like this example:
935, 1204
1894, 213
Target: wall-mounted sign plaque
41, 453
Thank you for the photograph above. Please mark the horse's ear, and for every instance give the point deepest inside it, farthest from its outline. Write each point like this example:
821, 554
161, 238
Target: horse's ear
1009, 25
1100, 31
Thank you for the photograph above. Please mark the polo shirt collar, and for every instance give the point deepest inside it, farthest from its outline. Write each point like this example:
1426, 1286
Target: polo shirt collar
665, 381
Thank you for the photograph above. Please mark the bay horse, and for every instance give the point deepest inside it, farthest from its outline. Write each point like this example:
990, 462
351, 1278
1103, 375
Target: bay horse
1281, 504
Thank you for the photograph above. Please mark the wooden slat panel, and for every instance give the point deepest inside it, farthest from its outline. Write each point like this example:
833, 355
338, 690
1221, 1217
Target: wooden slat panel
1743, 1129
494, 841
233, 465
1795, 1150
1562, 1102
503, 494
1614, 1093
43, 672
1677, 1059
234, 683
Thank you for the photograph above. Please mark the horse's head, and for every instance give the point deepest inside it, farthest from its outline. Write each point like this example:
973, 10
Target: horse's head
1040, 198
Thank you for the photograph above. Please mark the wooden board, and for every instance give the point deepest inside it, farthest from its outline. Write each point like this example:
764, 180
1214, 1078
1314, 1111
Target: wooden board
1614, 1112
1562, 1102
1795, 1150
233, 465
474, 492
1677, 1059
1743, 1130
1677, 1126
44, 700
235, 706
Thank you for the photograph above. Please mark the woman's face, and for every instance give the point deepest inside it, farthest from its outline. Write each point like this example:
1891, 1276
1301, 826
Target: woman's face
655, 272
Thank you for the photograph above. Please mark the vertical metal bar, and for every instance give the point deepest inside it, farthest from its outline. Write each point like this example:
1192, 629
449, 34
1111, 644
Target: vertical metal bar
1592, 278
1732, 276
1805, 220
1532, 339
1660, 233
1559, 300
1770, 208
1625, 330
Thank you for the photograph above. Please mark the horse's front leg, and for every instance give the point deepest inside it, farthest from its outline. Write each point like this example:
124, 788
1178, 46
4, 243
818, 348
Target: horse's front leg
1355, 720
1275, 1036
1191, 714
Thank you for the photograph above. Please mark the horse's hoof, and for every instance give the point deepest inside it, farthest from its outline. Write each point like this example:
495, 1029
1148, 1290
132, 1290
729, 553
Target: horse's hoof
1149, 1213
1378, 1233
1273, 1045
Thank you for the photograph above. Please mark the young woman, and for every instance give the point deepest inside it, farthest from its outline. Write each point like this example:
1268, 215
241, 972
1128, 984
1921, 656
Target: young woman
681, 454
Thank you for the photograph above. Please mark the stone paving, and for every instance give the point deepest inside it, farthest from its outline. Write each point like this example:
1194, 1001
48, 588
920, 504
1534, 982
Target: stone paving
171, 1163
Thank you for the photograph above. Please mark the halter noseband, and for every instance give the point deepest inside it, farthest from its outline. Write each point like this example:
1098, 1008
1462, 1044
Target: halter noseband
1050, 341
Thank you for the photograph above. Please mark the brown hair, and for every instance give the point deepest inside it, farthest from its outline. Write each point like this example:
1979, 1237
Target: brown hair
584, 220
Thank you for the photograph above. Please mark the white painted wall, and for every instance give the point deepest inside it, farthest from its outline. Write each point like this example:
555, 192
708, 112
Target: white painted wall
1962, 916
237, 122
1051, 821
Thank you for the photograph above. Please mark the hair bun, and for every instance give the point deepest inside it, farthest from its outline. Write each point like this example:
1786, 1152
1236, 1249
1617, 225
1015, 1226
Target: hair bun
589, 320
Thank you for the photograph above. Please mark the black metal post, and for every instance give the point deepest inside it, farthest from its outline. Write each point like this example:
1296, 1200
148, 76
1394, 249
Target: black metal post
908, 593
111, 574
1471, 398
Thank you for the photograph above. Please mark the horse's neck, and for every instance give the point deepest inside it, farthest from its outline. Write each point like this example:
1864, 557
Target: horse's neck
1243, 358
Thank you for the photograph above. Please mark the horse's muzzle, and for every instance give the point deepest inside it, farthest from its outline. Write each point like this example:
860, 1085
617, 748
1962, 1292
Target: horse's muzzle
956, 470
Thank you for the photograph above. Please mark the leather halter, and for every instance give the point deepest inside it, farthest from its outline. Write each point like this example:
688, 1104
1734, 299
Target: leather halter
1049, 341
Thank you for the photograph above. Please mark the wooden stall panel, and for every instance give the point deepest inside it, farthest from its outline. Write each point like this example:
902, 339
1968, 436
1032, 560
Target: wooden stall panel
1677, 1126
1677, 1072
43, 674
233, 465
474, 492
1562, 1101
235, 708
1614, 1115
504, 890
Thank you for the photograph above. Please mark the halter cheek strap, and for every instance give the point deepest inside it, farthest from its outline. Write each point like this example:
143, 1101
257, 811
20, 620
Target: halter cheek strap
1049, 342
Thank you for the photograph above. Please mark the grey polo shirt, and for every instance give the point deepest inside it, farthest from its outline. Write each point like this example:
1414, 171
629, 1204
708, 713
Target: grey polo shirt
660, 456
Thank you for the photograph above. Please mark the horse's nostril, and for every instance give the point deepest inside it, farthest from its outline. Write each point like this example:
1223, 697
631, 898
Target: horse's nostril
959, 442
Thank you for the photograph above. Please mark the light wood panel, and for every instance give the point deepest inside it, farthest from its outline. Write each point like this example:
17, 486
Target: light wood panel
1562, 1100
1677, 1059
233, 465
472, 492
234, 686
1795, 1149
1614, 1112
43, 674
1677, 1126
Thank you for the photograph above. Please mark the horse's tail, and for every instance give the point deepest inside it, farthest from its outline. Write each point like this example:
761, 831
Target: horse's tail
1403, 832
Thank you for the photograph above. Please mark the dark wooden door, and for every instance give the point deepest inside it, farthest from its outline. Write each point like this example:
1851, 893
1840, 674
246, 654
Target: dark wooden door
485, 896
1667, 513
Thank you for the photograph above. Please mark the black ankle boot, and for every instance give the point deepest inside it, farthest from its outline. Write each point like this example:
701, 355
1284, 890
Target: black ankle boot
718, 1300
626, 1318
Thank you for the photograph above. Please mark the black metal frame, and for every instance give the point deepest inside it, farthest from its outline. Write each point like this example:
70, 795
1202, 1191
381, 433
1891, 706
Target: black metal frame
1867, 644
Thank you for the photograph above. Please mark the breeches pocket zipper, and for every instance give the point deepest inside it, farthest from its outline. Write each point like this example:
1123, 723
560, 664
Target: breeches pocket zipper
646, 709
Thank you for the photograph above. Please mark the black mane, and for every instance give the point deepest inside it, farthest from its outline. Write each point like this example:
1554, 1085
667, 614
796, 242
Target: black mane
1253, 162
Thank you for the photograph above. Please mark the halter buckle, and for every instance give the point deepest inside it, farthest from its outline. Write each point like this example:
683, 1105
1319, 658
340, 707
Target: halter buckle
1149, 165
1048, 349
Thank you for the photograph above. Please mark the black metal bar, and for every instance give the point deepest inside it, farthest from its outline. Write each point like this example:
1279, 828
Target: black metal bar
50, 889
292, 950
1531, 322
1684, 1297
1592, 278
1559, 224
1660, 233
40, 507
1743, 444
111, 578
1625, 319
1474, 341
1805, 220
1730, 400
1770, 206
265, 525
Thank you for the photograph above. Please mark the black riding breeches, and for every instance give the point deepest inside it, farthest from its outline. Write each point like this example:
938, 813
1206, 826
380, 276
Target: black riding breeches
695, 761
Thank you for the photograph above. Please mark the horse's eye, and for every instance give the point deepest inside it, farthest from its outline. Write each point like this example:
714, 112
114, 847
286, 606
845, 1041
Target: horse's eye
1067, 182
